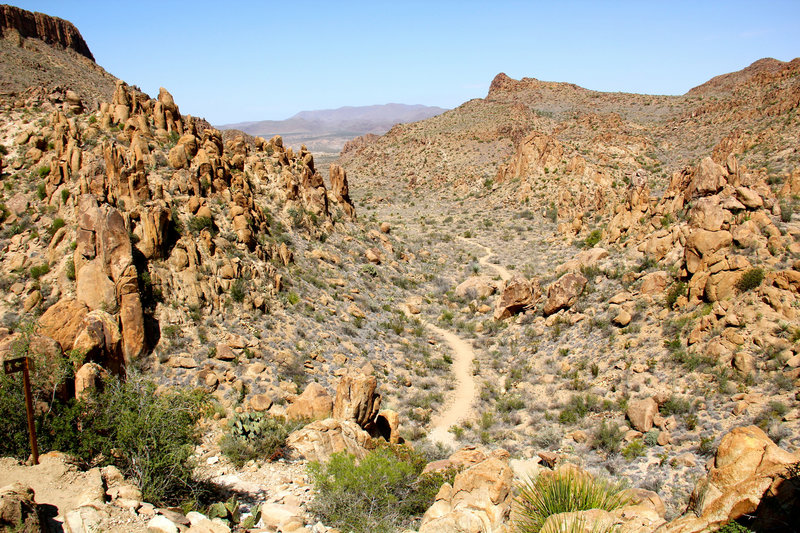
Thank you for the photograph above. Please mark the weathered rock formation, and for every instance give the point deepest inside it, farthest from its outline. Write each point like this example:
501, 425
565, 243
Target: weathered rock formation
478, 500
749, 477
52, 30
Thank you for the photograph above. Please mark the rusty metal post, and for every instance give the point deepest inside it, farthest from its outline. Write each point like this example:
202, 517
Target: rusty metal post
29, 408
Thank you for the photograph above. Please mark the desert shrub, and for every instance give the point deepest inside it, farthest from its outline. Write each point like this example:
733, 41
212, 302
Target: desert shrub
651, 438
70, 269
55, 226
577, 408
563, 492
254, 435
43, 171
786, 212
383, 492
675, 406
150, 437
608, 437
238, 290
750, 279
39, 270
706, 446
733, 527
634, 449
593, 238
673, 293
198, 224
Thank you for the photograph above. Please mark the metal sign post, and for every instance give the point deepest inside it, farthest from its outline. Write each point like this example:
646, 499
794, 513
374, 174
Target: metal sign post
12, 366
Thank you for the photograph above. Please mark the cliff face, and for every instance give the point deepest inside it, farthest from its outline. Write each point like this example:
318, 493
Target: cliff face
52, 30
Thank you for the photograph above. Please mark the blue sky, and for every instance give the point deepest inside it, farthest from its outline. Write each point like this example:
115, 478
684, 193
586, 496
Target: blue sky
233, 61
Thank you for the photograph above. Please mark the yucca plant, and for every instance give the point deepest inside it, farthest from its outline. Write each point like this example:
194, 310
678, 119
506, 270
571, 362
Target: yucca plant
562, 492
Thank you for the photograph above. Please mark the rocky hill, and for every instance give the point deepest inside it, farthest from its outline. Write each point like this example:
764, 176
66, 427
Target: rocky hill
43, 51
327, 130
546, 282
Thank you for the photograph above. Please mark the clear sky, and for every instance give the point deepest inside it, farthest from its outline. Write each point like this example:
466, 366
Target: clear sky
231, 60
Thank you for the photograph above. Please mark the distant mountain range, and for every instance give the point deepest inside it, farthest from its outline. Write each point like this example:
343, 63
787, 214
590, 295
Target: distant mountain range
327, 130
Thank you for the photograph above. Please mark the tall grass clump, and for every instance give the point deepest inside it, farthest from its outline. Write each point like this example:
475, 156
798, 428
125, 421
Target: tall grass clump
563, 491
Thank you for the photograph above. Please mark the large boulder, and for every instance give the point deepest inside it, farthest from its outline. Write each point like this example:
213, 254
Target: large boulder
476, 287
709, 178
478, 501
518, 294
63, 321
564, 292
321, 439
315, 403
357, 400
749, 476
18, 509
641, 414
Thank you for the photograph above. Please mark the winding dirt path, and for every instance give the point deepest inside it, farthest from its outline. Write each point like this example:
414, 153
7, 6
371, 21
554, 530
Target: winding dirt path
460, 403
504, 274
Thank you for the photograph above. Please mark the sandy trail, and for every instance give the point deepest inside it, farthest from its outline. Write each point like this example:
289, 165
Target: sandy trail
460, 404
504, 274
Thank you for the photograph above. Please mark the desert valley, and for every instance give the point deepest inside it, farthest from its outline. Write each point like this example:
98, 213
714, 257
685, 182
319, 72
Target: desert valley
549, 309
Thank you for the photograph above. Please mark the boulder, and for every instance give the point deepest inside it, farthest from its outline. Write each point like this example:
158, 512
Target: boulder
641, 414
18, 509
476, 287
564, 292
357, 400
88, 379
709, 178
63, 321
479, 499
585, 258
654, 283
518, 294
315, 403
321, 439
94, 288
747, 477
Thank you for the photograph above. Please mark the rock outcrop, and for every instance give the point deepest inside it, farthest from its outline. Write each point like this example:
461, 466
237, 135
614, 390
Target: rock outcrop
52, 30
750, 476
356, 400
18, 509
479, 500
321, 439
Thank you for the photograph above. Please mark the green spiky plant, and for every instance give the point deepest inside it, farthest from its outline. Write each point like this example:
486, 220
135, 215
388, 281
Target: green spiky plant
561, 492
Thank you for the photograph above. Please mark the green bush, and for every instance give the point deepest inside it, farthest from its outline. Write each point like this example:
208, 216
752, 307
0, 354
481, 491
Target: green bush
39, 270
254, 435
43, 172
198, 224
149, 436
238, 290
383, 492
673, 293
750, 279
577, 408
593, 238
608, 437
55, 226
733, 527
634, 449
563, 492
675, 406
